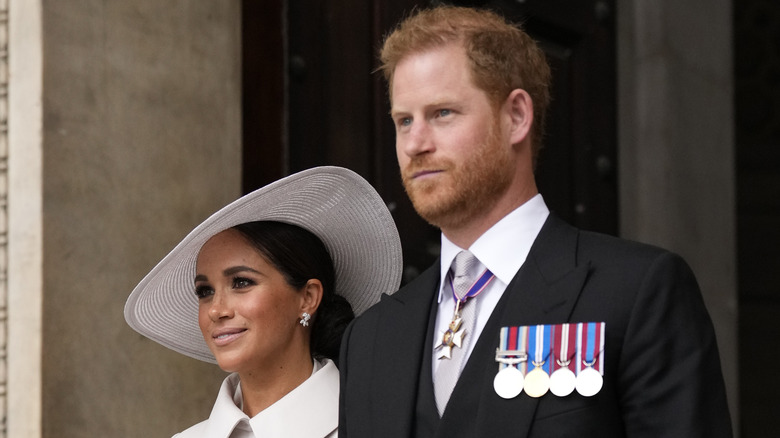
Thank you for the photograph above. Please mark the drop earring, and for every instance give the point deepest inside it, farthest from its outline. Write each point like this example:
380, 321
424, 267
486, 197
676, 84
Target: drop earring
305, 317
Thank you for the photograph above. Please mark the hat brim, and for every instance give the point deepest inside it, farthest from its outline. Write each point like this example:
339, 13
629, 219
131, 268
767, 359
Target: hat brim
334, 203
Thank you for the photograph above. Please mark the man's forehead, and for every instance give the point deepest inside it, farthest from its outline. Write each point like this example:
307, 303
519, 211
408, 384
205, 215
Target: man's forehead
435, 78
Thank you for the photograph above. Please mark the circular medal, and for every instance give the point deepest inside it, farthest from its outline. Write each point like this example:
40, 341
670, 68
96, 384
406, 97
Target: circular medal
562, 382
589, 382
537, 383
508, 383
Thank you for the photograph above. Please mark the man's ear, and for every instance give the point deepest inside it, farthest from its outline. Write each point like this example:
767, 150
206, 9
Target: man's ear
520, 109
312, 296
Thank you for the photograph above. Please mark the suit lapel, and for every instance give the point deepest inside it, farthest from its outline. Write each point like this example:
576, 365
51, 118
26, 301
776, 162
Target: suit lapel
402, 327
544, 291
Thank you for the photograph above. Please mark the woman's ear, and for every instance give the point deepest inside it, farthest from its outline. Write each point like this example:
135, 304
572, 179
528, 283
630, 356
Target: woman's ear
520, 109
312, 296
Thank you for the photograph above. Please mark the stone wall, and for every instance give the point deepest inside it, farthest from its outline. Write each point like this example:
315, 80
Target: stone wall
140, 141
677, 165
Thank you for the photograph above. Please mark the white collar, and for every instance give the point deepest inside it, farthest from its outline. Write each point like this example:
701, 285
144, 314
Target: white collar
316, 399
504, 247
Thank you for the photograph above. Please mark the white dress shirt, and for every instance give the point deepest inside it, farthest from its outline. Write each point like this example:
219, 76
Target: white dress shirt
308, 411
503, 250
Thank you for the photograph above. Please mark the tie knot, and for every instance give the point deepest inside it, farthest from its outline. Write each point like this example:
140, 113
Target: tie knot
464, 264
463, 274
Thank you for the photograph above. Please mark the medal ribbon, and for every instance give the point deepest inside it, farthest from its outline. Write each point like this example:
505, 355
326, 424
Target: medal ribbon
564, 345
514, 339
539, 343
505, 343
477, 288
591, 354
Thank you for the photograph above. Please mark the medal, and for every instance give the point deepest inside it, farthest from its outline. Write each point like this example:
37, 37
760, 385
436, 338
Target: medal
508, 383
589, 382
537, 381
590, 378
563, 380
453, 336
511, 357
558, 358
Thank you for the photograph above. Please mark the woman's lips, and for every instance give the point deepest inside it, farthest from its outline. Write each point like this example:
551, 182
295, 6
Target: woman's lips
226, 336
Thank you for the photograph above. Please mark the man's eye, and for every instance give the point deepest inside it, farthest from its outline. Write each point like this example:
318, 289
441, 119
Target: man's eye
406, 121
444, 112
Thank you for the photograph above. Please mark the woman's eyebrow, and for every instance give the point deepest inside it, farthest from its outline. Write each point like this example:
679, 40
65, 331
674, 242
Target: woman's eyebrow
236, 269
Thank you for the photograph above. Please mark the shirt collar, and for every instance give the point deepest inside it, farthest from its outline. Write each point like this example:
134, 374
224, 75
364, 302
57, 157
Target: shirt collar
317, 397
226, 413
504, 247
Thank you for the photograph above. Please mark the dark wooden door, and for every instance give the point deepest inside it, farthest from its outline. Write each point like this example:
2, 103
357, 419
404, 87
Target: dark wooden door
757, 129
310, 98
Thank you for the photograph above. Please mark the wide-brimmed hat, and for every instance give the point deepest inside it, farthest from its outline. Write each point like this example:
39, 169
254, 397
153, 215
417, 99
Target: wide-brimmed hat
336, 204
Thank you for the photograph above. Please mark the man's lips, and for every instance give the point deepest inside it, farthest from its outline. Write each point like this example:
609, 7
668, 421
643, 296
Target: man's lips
424, 173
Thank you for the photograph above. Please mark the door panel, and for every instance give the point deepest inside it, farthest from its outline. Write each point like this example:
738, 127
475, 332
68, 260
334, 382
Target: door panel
328, 108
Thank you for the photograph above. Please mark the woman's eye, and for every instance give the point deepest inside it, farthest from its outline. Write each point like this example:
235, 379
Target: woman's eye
241, 283
203, 291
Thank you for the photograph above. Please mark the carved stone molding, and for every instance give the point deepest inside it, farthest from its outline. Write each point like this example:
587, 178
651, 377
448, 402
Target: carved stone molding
3, 215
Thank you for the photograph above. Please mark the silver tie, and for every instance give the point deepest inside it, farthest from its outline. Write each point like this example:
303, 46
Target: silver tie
448, 371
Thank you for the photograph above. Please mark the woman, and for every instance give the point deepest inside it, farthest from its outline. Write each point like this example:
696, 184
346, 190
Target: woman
265, 288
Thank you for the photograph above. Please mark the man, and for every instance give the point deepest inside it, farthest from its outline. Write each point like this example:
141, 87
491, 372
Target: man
564, 332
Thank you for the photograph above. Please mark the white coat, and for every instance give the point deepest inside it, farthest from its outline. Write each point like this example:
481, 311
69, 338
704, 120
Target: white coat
308, 411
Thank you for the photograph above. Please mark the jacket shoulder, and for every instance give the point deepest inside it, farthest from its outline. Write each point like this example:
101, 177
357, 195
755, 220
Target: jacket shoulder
416, 290
601, 248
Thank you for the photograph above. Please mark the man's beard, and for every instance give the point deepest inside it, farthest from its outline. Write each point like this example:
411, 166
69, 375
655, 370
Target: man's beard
467, 191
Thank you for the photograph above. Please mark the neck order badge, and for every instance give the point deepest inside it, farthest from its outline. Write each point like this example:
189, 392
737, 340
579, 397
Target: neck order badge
453, 336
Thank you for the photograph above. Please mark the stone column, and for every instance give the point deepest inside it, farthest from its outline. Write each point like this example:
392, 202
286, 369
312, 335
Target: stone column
676, 147
3, 218
25, 216
124, 133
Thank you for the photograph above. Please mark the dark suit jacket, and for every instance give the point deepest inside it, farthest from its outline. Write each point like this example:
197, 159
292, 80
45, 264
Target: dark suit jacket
662, 373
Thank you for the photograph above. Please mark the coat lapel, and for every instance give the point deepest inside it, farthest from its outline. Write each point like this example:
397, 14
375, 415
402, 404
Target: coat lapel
402, 327
544, 291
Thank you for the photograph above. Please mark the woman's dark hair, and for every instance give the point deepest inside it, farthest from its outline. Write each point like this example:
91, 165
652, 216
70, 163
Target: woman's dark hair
301, 256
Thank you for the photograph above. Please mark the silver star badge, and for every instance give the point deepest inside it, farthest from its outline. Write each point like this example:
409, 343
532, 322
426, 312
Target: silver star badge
452, 337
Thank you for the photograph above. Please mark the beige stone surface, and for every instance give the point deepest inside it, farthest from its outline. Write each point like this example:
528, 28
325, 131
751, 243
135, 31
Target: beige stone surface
677, 164
141, 141
25, 217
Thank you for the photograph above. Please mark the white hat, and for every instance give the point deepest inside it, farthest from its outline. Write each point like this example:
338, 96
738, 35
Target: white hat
334, 203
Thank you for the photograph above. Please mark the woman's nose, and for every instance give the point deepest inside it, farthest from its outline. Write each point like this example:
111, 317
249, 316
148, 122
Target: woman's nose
220, 308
